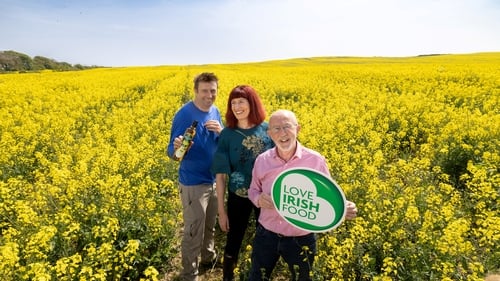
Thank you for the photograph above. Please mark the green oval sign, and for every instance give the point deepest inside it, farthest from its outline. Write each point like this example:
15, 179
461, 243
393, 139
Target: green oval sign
308, 199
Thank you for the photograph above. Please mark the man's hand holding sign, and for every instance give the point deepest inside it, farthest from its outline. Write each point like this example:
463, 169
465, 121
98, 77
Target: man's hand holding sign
292, 186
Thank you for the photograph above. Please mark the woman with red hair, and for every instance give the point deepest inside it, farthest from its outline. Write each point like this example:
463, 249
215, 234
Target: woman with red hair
240, 142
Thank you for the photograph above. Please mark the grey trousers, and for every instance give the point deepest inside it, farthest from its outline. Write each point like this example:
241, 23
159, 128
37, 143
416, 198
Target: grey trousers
199, 211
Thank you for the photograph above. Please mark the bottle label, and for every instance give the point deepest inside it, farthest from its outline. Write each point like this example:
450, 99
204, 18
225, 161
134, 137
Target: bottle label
186, 141
180, 152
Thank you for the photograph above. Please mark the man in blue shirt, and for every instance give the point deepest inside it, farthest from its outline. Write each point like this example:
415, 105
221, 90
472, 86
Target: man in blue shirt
196, 182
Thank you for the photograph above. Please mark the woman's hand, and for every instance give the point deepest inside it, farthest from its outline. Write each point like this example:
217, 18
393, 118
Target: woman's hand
223, 221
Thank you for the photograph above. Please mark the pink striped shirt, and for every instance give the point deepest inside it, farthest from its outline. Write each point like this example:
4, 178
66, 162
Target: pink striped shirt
267, 167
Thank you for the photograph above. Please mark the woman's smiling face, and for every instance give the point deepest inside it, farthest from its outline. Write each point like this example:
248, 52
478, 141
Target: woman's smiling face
241, 108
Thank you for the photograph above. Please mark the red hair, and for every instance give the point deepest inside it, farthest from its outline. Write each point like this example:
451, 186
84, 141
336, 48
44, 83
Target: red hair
257, 112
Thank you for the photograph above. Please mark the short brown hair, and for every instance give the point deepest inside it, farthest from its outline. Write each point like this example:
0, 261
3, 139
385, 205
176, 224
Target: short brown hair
205, 77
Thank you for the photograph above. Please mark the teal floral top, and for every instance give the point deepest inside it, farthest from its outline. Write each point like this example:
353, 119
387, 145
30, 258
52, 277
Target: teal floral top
236, 153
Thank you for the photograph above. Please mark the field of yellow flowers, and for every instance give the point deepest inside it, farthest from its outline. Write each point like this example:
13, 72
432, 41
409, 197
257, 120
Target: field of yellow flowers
87, 192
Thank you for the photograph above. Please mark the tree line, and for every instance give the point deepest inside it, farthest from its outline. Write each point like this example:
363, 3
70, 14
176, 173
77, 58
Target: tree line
12, 61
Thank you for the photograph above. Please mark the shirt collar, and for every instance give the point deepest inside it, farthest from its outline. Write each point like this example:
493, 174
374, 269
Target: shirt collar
298, 152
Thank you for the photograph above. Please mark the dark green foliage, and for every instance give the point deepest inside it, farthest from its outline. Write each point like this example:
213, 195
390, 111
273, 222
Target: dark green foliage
11, 61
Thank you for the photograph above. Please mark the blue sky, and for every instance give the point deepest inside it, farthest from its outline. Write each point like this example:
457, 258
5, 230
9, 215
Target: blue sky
177, 32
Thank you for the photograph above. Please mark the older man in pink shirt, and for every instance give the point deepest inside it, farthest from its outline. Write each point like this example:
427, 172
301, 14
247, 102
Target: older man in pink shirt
274, 236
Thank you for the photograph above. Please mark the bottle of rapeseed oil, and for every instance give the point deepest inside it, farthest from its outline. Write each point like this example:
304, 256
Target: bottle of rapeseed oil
187, 141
